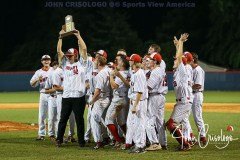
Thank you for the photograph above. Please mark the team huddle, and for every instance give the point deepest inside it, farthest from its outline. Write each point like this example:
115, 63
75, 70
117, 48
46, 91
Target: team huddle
125, 99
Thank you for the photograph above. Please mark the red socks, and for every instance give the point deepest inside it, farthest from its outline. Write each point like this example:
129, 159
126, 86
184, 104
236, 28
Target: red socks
113, 129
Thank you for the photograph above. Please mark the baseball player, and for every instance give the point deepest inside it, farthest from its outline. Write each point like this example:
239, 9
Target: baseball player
183, 104
101, 97
118, 108
157, 89
52, 105
39, 78
58, 86
90, 86
187, 129
198, 88
138, 106
73, 98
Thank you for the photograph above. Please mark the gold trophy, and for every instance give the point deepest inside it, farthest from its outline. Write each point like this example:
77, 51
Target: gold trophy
68, 27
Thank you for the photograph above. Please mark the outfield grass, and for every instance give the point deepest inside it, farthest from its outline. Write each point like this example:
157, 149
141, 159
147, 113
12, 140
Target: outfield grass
22, 145
209, 97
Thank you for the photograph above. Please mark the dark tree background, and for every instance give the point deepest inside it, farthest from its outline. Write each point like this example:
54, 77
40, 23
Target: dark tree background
29, 30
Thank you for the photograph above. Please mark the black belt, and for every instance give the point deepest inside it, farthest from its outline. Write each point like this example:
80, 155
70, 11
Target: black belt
179, 100
54, 96
196, 91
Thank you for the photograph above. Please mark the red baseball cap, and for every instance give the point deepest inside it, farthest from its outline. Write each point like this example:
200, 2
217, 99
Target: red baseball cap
72, 51
188, 56
135, 58
102, 53
156, 56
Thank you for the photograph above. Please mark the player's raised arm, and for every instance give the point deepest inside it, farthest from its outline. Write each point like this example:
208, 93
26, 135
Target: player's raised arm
82, 46
59, 48
179, 52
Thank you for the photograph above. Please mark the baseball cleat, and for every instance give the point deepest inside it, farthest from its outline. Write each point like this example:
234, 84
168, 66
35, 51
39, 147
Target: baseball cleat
40, 138
164, 147
58, 143
126, 146
137, 150
71, 139
184, 147
118, 145
153, 147
98, 145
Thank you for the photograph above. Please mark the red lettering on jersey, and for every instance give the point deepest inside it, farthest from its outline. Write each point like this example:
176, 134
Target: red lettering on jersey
75, 70
68, 68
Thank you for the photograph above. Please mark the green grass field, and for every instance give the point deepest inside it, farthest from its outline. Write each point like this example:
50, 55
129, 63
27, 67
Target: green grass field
209, 97
22, 144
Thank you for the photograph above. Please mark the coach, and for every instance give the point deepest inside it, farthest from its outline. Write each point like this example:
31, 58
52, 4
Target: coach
73, 98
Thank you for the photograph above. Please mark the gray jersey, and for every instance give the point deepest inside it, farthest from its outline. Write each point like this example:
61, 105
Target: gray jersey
44, 74
74, 79
138, 83
199, 77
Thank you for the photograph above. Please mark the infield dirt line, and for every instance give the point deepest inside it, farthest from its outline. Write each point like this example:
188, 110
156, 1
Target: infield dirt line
207, 107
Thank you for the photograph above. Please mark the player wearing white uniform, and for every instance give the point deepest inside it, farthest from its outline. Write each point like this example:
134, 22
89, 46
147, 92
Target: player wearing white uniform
118, 109
138, 106
186, 126
101, 98
58, 86
157, 89
39, 78
198, 88
183, 103
73, 98
90, 86
52, 104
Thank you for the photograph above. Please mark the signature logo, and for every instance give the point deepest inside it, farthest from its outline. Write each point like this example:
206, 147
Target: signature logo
220, 141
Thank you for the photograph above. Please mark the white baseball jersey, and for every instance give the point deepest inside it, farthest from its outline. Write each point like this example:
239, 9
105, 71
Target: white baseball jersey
49, 82
58, 78
157, 81
102, 82
74, 79
180, 82
190, 79
138, 83
44, 74
199, 77
122, 88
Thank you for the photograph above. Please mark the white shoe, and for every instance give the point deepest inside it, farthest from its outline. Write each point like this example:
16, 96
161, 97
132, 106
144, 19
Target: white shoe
154, 147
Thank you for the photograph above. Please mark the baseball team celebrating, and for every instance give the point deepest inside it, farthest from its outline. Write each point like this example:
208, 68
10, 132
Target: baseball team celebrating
125, 99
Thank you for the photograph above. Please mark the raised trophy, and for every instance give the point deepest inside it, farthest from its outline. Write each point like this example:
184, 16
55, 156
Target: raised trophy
68, 27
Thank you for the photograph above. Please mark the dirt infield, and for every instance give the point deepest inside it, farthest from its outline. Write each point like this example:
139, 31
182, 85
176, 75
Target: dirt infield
7, 126
207, 107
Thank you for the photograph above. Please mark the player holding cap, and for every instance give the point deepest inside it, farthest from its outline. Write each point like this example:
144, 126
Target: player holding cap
73, 88
138, 106
157, 89
101, 97
39, 78
183, 103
